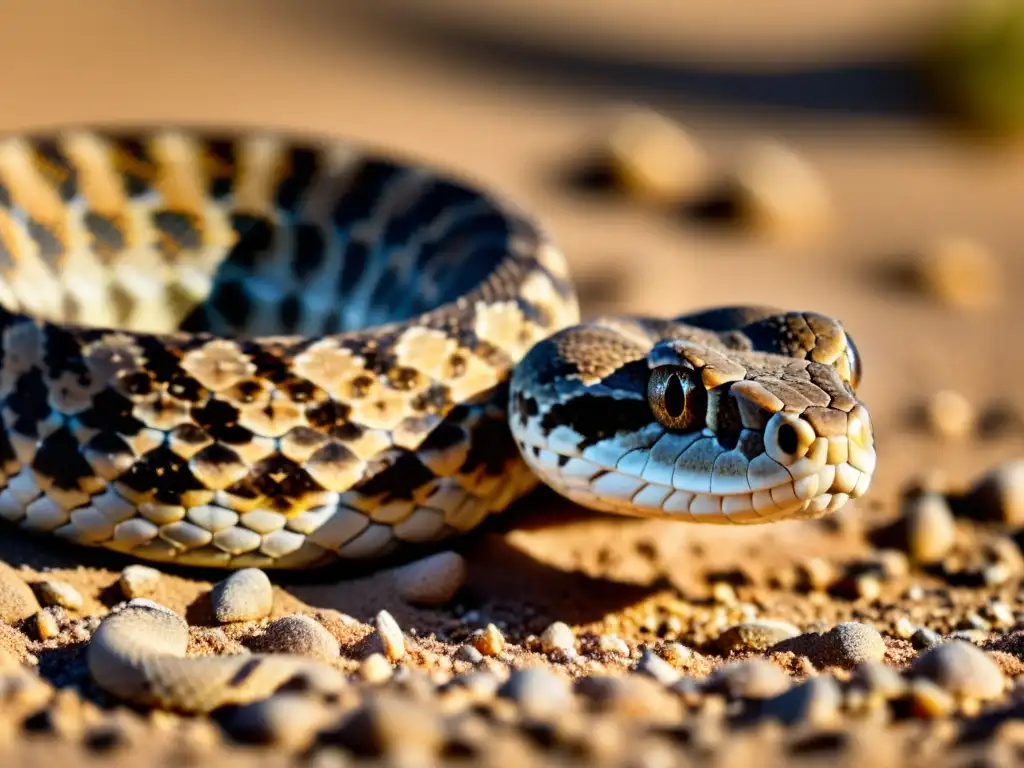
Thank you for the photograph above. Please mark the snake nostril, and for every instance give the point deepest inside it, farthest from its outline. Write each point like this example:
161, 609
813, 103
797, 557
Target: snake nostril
788, 439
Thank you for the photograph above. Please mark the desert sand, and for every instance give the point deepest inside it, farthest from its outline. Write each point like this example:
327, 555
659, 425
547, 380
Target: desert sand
513, 96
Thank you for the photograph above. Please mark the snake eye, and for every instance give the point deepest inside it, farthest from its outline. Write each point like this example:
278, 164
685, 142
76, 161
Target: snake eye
853, 360
674, 397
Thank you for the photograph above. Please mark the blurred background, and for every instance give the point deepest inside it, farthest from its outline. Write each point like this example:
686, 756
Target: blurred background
853, 158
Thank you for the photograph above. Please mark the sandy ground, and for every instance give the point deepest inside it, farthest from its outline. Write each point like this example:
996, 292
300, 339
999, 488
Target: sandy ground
509, 97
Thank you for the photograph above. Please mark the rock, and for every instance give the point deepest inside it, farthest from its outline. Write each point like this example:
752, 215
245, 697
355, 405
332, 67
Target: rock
960, 669
47, 625
929, 700
925, 638
930, 528
749, 679
815, 702
676, 653
654, 159
470, 654
375, 669
245, 595
489, 641
614, 644
959, 272
139, 581
777, 192
950, 415
755, 636
558, 637
390, 635
539, 692
999, 494
631, 696
904, 628
299, 635
849, 644
53, 592
879, 679
17, 600
722, 592
287, 720
1001, 614
389, 725
656, 668
817, 574
434, 580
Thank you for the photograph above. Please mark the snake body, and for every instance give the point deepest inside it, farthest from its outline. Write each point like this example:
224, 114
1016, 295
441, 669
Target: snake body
243, 349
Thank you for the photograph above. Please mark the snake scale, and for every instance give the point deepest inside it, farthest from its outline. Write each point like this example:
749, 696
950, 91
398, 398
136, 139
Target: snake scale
233, 348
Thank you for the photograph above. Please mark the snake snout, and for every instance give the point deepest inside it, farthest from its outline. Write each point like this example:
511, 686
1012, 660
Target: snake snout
829, 452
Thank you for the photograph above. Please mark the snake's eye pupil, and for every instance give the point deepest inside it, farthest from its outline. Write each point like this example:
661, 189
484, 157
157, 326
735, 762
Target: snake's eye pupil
788, 439
675, 398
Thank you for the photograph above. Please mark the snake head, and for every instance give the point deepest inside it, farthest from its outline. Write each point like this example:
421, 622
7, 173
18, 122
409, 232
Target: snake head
738, 426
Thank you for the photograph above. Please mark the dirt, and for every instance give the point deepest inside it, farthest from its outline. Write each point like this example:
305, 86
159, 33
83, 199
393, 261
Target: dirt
513, 100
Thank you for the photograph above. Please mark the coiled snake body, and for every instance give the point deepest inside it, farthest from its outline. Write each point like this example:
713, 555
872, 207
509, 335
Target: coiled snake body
238, 349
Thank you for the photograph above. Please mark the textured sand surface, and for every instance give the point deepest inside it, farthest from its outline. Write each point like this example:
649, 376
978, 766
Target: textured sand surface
511, 97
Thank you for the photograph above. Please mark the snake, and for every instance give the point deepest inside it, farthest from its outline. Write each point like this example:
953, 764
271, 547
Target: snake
247, 348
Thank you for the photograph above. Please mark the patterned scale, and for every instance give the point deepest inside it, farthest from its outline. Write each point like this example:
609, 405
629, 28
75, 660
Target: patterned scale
244, 350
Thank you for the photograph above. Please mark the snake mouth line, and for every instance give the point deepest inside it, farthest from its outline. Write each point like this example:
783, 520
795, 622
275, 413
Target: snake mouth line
822, 479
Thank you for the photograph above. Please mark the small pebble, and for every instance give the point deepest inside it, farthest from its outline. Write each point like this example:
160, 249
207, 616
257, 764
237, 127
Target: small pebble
631, 696
139, 581
657, 668
652, 158
390, 635
924, 638
47, 625
434, 580
470, 654
999, 494
558, 637
539, 692
867, 586
778, 192
755, 636
929, 700
817, 574
950, 415
893, 564
930, 528
972, 620
375, 669
407, 731
849, 644
961, 669
815, 702
53, 592
959, 272
1002, 615
996, 575
677, 653
489, 640
245, 595
17, 600
287, 720
614, 644
749, 679
723, 592
879, 679
300, 635
970, 636
904, 628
